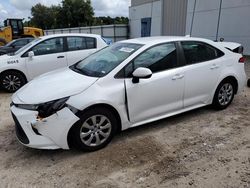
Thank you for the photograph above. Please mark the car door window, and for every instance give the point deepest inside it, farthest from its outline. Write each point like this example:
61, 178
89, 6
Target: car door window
80, 43
90, 42
159, 58
196, 52
50, 46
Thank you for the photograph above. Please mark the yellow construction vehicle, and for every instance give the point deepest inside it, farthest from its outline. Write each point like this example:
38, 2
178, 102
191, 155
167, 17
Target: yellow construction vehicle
13, 29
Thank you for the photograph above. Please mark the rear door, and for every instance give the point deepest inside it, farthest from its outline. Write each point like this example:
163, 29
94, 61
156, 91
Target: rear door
79, 48
49, 55
163, 92
202, 69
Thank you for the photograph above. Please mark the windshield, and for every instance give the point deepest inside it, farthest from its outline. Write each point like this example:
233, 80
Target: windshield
10, 43
25, 47
102, 62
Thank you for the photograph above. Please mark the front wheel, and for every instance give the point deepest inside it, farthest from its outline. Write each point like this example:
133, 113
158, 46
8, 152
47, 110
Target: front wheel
11, 81
94, 130
224, 95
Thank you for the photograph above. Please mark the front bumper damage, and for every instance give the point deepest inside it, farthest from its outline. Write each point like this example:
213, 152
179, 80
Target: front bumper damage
47, 133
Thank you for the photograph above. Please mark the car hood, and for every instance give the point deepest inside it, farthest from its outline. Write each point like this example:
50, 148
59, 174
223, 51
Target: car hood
53, 85
7, 59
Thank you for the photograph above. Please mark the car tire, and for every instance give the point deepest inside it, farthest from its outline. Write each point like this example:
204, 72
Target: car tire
94, 130
248, 82
224, 94
11, 81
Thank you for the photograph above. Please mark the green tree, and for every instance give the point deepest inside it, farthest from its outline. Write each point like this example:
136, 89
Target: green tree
76, 13
70, 13
42, 16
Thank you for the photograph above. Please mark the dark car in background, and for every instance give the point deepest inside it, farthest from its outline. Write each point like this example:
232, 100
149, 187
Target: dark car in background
14, 45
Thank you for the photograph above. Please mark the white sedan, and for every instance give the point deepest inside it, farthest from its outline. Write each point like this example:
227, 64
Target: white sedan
45, 54
125, 85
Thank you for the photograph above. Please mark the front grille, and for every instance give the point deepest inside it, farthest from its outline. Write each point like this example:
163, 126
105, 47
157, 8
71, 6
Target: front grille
19, 131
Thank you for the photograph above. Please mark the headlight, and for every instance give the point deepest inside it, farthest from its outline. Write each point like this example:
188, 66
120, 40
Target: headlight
49, 108
45, 109
26, 106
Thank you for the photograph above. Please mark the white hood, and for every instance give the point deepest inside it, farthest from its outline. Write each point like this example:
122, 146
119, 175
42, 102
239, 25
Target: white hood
4, 59
53, 85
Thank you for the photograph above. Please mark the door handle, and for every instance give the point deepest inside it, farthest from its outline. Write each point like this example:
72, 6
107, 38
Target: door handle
178, 76
60, 56
214, 66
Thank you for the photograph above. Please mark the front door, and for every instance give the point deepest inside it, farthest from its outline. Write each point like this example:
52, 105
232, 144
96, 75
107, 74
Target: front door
48, 55
163, 92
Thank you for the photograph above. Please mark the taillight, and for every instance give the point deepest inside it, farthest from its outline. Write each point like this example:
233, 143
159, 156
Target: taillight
242, 60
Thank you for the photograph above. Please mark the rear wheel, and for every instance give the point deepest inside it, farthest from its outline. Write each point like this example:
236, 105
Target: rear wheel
224, 94
94, 130
11, 81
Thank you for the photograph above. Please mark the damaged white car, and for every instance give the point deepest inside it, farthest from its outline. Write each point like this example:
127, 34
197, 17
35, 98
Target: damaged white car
122, 86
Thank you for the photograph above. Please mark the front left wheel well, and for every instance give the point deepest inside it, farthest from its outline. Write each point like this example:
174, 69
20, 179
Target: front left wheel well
103, 106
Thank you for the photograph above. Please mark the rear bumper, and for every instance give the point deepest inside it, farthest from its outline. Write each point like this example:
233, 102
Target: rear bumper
48, 133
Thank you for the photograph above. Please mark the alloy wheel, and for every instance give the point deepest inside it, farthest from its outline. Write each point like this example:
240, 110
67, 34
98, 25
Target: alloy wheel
95, 130
11, 82
225, 94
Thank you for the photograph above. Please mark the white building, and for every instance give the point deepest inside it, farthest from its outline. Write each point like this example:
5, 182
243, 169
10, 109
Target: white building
213, 19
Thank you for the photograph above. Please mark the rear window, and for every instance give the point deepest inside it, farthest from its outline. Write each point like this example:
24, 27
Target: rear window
81, 43
197, 52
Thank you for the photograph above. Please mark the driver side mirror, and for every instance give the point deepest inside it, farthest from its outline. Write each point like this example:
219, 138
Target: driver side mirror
31, 54
141, 73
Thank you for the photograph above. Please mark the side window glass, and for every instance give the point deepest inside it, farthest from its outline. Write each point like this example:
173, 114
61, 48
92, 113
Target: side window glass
50, 46
76, 43
158, 58
91, 43
80, 43
196, 52
20, 43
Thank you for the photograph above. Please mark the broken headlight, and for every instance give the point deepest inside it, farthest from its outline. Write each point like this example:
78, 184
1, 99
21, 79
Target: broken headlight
49, 108
45, 109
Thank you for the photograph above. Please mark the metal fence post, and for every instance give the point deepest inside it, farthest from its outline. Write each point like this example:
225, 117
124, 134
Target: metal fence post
114, 33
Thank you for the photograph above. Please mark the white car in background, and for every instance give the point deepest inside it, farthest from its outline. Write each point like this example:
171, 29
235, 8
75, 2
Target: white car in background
45, 54
127, 84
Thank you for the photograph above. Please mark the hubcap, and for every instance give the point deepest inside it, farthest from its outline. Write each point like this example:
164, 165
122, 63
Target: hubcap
225, 94
95, 130
11, 82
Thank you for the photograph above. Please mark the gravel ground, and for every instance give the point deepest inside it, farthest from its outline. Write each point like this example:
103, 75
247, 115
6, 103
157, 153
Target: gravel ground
201, 148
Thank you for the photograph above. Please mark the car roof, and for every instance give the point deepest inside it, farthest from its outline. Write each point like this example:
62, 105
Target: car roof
159, 39
70, 34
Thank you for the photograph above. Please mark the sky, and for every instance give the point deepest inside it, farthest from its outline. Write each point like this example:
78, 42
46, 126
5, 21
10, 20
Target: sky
21, 8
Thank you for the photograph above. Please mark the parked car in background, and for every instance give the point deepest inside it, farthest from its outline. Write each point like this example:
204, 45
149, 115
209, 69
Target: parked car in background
127, 84
45, 54
14, 45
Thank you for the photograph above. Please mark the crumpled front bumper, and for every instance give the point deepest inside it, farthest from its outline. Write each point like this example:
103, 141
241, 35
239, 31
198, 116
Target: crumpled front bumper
47, 133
